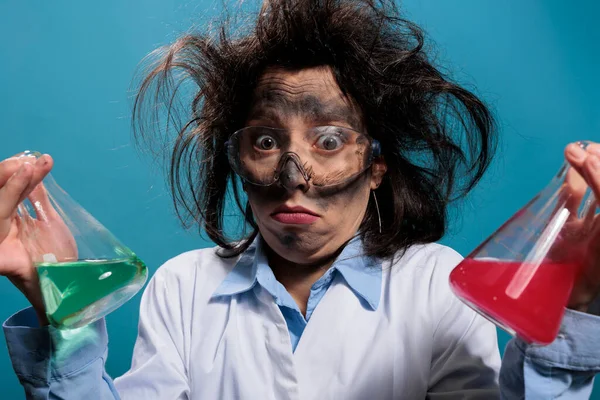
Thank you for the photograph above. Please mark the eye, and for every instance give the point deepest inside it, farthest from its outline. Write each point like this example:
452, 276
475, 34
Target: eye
266, 142
329, 142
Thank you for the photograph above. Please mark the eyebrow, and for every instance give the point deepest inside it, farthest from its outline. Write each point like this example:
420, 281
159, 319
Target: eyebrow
276, 106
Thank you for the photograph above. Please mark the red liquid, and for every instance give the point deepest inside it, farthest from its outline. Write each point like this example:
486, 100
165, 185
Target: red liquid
526, 299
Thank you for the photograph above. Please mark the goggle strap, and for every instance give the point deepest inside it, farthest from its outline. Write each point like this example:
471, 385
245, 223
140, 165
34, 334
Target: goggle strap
376, 148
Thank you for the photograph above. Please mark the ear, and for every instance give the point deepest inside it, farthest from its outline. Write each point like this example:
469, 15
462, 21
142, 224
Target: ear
378, 170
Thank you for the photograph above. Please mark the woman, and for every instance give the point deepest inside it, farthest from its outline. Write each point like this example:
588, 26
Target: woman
328, 118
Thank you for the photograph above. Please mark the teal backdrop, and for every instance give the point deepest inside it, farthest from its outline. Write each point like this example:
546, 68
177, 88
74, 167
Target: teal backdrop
66, 69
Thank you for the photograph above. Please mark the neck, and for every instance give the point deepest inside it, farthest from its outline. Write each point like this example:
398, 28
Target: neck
298, 279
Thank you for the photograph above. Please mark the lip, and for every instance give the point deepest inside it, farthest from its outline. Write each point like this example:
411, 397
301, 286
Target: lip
294, 215
284, 208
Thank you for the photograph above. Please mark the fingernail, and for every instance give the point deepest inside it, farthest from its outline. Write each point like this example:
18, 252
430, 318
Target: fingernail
43, 160
576, 152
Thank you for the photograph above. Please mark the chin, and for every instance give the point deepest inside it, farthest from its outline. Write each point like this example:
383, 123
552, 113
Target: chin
295, 245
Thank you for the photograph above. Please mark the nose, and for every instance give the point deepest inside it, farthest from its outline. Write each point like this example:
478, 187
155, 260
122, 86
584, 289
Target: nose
291, 177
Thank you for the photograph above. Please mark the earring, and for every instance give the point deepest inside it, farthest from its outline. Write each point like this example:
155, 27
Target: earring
377, 208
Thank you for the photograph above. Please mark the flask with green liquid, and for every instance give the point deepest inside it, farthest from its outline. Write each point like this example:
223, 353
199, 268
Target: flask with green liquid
84, 271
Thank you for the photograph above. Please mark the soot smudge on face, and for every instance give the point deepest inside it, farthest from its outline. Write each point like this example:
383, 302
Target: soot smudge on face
339, 194
288, 239
272, 101
324, 197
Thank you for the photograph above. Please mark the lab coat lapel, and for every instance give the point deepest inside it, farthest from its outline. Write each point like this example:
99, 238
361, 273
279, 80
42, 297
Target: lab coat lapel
324, 336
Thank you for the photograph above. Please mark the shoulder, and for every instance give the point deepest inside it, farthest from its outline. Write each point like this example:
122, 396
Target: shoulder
196, 259
187, 271
420, 275
430, 258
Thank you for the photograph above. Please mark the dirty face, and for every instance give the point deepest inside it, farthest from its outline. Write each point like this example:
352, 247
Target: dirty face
301, 222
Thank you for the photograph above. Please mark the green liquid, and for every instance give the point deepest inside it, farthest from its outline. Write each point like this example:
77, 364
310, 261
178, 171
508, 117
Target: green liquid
78, 293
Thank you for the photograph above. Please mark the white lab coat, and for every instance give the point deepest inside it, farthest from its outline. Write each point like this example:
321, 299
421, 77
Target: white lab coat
421, 341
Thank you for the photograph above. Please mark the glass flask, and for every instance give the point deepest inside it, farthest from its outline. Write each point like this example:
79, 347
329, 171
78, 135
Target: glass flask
84, 271
522, 276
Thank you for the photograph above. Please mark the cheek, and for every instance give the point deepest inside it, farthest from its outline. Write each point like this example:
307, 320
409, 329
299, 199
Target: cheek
263, 201
258, 197
347, 204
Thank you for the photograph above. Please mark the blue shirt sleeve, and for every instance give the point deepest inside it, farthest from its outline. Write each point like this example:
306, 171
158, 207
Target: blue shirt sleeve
563, 370
51, 363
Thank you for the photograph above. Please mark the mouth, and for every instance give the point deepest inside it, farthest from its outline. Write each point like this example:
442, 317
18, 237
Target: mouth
294, 215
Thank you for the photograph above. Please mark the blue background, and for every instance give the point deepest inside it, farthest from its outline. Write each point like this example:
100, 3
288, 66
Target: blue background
66, 69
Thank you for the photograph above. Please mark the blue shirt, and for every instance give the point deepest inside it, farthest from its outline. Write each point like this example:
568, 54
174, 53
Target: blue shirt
362, 274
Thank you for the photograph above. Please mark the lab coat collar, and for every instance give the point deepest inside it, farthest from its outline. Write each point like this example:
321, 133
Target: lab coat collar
362, 274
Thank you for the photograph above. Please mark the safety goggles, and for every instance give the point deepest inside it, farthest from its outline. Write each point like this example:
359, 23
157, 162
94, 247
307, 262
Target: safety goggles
324, 155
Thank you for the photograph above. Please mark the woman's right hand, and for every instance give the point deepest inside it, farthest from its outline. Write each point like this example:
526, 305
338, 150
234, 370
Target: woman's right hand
24, 237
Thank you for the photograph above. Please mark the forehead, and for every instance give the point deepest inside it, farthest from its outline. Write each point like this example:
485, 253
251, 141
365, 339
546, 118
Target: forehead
311, 94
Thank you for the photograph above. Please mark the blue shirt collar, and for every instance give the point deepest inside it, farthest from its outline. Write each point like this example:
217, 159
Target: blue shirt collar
362, 274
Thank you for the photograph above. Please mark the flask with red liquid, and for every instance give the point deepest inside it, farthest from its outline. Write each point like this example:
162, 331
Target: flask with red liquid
522, 276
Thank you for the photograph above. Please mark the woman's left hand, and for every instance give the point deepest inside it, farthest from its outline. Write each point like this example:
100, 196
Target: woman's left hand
586, 172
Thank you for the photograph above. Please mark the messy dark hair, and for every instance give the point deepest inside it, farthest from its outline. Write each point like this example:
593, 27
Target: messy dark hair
437, 137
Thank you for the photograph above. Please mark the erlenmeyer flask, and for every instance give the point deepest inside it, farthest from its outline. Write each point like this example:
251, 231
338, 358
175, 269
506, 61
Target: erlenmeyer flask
522, 276
84, 271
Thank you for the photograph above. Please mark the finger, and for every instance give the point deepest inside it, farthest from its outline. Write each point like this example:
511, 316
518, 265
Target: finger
574, 189
576, 154
10, 195
41, 203
15, 229
591, 172
25, 219
10, 166
43, 166
577, 181
592, 273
